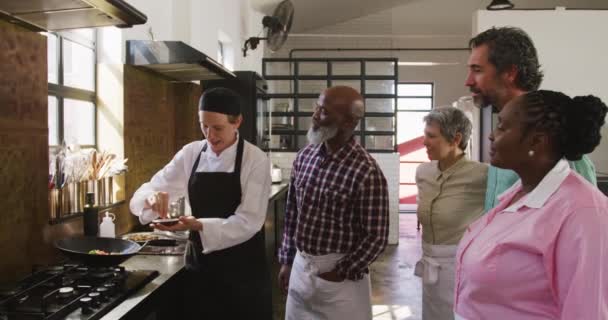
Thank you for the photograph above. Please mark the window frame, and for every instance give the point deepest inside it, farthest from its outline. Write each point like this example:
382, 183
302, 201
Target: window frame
62, 92
403, 112
296, 75
221, 54
432, 96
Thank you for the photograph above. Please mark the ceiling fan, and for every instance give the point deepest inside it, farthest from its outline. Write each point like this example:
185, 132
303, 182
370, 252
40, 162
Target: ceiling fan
277, 28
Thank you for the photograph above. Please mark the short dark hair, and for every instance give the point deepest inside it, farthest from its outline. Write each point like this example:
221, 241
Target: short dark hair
574, 124
221, 100
510, 46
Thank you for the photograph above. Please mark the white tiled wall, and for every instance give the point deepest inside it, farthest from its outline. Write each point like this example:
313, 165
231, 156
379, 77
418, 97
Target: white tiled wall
283, 160
389, 164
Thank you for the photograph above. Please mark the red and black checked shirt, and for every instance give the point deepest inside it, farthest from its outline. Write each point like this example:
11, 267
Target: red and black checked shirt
337, 203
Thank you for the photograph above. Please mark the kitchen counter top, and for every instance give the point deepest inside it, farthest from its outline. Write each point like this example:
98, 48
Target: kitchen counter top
278, 188
167, 266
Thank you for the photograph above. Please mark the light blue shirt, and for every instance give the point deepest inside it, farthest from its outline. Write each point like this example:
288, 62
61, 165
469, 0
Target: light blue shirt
499, 180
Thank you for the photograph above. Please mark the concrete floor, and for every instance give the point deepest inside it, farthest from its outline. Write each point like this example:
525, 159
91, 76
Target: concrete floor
396, 292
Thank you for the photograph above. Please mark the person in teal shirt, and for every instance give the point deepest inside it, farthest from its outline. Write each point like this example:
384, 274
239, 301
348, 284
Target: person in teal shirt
503, 64
499, 180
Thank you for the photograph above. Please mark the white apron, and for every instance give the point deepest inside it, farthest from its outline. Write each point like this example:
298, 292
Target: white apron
436, 268
312, 298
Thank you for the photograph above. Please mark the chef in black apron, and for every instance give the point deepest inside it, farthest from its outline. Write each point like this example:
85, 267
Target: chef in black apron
227, 182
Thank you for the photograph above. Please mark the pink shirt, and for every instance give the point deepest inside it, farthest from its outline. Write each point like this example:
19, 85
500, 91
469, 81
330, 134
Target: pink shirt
544, 257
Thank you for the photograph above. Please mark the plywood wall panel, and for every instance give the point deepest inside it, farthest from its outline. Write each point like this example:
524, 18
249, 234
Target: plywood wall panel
23, 151
185, 103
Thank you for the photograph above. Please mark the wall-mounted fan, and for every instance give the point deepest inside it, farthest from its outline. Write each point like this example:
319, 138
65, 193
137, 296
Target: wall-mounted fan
277, 28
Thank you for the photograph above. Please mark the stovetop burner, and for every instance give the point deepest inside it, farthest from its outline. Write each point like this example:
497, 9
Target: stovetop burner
71, 291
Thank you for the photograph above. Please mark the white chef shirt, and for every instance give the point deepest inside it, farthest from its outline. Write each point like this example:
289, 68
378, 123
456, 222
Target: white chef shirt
217, 233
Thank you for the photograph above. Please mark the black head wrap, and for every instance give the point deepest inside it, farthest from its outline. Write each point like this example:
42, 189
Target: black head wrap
220, 100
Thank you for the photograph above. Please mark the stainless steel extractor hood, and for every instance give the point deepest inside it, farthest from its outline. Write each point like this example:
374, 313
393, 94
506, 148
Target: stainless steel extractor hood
55, 15
175, 60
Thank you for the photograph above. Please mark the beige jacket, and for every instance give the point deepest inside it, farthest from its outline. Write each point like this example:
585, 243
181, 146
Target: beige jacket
449, 201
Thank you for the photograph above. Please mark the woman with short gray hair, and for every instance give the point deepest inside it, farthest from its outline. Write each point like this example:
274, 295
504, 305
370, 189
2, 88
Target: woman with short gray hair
451, 191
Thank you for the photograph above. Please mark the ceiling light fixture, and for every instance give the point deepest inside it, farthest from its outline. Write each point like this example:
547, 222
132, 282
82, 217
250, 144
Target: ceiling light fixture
500, 5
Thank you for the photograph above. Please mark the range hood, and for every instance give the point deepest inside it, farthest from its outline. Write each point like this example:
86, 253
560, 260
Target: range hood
56, 15
175, 60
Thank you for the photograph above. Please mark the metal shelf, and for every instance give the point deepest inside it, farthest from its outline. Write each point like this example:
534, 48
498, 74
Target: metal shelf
315, 95
323, 71
327, 77
309, 114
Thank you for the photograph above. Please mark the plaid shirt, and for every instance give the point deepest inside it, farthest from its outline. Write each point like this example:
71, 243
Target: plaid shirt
337, 203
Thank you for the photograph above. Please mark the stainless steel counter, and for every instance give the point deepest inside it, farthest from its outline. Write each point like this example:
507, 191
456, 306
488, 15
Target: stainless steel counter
167, 266
277, 188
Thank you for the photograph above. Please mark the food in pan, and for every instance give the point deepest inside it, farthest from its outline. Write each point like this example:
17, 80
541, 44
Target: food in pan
102, 252
99, 252
141, 237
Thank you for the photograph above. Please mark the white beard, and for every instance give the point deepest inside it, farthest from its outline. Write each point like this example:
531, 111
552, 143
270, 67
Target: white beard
321, 134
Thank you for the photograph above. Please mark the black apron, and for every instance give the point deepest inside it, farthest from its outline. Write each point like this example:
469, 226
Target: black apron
233, 283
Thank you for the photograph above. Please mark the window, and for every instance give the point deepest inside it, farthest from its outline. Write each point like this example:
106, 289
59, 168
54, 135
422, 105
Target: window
294, 86
220, 52
415, 96
414, 101
72, 87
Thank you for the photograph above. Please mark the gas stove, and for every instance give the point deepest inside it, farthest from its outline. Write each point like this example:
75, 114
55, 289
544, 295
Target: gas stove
70, 291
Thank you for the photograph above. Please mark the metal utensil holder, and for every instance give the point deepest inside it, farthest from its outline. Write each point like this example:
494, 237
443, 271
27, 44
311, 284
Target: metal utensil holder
103, 190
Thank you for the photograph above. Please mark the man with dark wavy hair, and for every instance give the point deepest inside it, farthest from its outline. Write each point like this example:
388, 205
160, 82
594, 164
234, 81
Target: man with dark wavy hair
503, 65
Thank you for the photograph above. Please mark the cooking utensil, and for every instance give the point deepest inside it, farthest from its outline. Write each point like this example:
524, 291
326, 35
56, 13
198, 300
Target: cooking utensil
142, 237
159, 243
162, 243
166, 222
177, 235
78, 248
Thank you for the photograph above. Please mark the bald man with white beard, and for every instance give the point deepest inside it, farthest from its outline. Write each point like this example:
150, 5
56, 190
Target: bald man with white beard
320, 132
336, 220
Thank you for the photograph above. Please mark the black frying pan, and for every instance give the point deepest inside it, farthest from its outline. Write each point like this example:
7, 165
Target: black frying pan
77, 248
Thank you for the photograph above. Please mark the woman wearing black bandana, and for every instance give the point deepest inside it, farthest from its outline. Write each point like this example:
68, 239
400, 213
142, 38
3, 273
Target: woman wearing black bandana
226, 181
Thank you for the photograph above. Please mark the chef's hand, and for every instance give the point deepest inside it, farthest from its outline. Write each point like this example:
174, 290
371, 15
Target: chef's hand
331, 276
284, 274
159, 203
185, 223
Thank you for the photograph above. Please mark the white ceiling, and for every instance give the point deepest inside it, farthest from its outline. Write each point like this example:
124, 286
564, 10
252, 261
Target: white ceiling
400, 17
